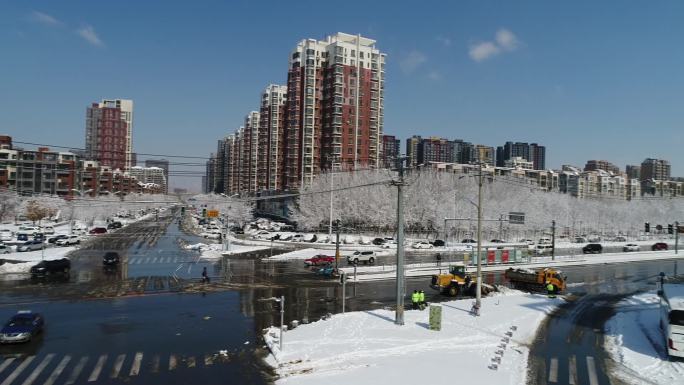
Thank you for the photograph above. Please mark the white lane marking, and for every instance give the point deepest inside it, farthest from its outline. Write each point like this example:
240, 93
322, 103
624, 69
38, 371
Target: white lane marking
175, 260
572, 368
191, 362
553, 370
39, 369
591, 367
135, 368
173, 362
77, 370
154, 260
117, 366
208, 360
155, 364
17, 371
58, 370
98, 368
6, 363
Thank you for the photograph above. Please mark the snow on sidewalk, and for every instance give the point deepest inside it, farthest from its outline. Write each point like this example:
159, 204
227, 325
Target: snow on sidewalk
636, 344
30, 259
366, 347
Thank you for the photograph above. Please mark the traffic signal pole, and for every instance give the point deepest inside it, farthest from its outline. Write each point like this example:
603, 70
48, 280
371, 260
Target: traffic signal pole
676, 231
401, 291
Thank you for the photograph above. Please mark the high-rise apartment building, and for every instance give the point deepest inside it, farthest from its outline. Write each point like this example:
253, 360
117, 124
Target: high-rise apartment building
334, 106
271, 154
391, 151
435, 149
162, 164
534, 153
484, 154
109, 133
593, 165
250, 152
412, 145
538, 156
655, 169
633, 171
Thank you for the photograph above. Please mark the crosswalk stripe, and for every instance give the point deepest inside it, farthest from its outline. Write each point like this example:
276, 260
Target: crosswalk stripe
591, 367
173, 362
36, 372
135, 368
155, 363
58, 370
17, 371
147, 260
77, 370
191, 362
553, 370
117, 366
98, 368
154, 260
572, 367
6, 363
175, 260
208, 359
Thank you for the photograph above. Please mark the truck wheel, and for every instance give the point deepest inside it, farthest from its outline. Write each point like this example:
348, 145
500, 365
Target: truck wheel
452, 290
356, 261
371, 260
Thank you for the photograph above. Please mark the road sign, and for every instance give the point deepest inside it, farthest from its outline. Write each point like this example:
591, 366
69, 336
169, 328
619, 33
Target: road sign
516, 218
212, 213
680, 229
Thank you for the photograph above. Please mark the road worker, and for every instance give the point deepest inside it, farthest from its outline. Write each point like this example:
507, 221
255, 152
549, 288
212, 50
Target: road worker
415, 299
550, 290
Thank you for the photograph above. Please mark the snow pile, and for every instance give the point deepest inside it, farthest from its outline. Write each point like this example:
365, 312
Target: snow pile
37, 256
16, 268
637, 345
240, 249
300, 254
368, 348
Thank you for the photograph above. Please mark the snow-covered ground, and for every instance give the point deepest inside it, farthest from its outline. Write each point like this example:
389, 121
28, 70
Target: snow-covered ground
368, 348
637, 345
30, 258
216, 250
312, 252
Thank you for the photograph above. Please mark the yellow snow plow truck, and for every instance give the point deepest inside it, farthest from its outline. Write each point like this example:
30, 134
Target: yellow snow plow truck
455, 282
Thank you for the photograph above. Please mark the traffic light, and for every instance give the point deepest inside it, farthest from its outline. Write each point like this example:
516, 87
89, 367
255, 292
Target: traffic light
670, 229
204, 213
183, 210
647, 227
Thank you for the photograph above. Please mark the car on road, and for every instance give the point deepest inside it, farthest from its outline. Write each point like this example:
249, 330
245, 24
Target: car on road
543, 249
592, 248
29, 229
57, 238
51, 268
438, 243
111, 258
497, 241
422, 245
30, 246
21, 327
297, 238
544, 241
367, 257
580, 240
69, 240
631, 247
4, 249
6, 235
97, 230
114, 225
659, 246
620, 238
319, 260
468, 240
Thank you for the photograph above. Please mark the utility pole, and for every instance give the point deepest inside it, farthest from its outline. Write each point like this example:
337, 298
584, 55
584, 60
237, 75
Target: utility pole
676, 229
332, 175
501, 217
478, 294
399, 316
337, 242
553, 240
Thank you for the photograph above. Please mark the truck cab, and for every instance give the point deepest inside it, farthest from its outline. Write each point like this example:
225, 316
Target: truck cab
458, 280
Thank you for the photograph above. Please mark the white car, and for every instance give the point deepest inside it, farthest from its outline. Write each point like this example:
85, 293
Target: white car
48, 230
6, 235
631, 247
31, 230
297, 238
70, 240
208, 235
367, 257
422, 245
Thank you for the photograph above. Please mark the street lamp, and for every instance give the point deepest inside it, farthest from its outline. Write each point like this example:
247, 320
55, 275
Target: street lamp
280, 300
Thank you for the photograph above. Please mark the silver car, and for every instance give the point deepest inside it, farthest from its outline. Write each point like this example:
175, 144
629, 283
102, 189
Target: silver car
31, 246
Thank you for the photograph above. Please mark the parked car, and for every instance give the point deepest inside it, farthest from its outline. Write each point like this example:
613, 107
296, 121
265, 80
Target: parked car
620, 238
30, 246
6, 235
51, 267
22, 237
468, 240
592, 248
544, 241
378, 241
97, 230
57, 238
631, 247
111, 259
580, 240
543, 249
4, 249
48, 230
319, 260
659, 246
438, 243
21, 327
389, 245
114, 225
528, 242
422, 245
29, 229
69, 240
297, 238
367, 257
497, 241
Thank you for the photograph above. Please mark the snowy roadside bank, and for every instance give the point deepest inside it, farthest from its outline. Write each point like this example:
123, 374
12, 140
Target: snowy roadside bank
366, 347
30, 258
636, 343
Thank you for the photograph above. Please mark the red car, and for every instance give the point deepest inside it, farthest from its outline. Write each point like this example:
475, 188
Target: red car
659, 246
319, 260
98, 230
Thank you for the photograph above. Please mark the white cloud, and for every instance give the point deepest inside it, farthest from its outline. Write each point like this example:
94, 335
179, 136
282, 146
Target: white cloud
483, 51
89, 35
507, 40
504, 40
434, 75
412, 61
45, 19
444, 40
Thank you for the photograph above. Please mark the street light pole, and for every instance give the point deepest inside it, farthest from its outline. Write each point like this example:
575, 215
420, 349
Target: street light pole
676, 229
337, 242
478, 294
282, 320
399, 316
332, 176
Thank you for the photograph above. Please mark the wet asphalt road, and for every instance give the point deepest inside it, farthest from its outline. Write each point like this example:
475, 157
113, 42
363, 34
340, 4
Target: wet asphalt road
136, 326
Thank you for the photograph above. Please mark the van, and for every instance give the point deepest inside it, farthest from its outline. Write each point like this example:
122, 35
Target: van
672, 317
592, 248
544, 241
543, 249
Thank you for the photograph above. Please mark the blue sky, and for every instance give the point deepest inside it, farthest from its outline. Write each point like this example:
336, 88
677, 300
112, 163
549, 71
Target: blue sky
590, 80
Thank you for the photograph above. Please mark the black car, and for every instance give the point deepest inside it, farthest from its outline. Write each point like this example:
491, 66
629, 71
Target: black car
592, 248
468, 241
111, 259
378, 241
114, 225
52, 267
438, 243
57, 238
659, 246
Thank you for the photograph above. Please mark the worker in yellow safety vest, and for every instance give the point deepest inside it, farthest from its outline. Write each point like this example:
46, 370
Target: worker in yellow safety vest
415, 299
550, 290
